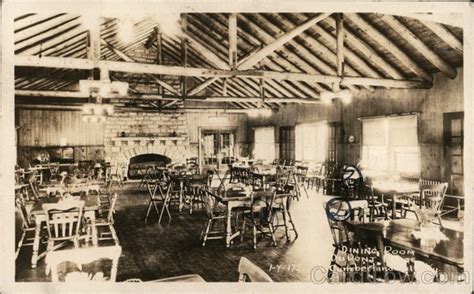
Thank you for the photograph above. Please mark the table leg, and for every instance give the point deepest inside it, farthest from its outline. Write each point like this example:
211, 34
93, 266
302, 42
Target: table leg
394, 206
228, 226
95, 240
181, 204
36, 241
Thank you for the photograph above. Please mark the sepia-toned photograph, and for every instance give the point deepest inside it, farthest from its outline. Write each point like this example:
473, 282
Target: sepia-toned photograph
191, 143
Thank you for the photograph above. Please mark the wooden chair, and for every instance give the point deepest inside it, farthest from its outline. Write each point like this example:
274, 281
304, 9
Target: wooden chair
118, 176
260, 216
81, 257
27, 226
431, 196
281, 204
162, 187
107, 222
249, 272
378, 209
63, 222
213, 215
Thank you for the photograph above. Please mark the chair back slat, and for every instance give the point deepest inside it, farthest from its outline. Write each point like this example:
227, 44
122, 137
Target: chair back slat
63, 218
20, 204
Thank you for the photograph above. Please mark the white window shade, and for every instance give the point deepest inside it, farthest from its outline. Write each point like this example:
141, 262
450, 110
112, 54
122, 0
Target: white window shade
311, 142
264, 147
374, 132
402, 131
390, 144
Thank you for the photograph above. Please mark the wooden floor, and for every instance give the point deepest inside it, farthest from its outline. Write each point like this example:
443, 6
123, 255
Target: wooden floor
151, 251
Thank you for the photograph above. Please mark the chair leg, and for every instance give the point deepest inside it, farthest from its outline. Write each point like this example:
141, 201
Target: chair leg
243, 230
272, 230
114, 234
292, 224
439, 220
148, 211
20, 243
208, 226
254, 237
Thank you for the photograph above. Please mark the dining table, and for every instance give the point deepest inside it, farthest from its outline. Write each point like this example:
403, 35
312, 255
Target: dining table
91, 204
263, 175
233, 199
396, 191
399, 234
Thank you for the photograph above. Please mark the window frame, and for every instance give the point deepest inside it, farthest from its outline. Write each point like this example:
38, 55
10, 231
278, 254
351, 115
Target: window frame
391, 151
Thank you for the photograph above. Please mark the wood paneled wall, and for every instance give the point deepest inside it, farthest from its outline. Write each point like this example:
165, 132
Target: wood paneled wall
445, 96
206, 120
49, 127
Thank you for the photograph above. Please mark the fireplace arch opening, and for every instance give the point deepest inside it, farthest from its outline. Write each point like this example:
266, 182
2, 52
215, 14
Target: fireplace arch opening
138, 164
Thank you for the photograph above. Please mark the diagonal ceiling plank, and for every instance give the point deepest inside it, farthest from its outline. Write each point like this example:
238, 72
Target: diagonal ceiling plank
445, 35
371, 31
219, 48
277, 43
209, 55
421, 47
279, 63
300, 57
368, 52
232, 40
129, 59
311, 47
201, 86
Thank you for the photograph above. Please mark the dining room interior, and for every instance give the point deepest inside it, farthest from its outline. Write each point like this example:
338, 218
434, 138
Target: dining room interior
239, 147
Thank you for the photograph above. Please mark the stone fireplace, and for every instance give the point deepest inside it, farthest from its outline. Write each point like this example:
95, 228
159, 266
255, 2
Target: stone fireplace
130, 134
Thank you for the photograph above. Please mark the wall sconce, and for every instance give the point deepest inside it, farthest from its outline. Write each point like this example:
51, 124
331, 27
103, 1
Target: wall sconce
344, 95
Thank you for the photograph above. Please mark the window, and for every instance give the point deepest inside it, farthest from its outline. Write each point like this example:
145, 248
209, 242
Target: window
391, 144
264, 147
287, 143
312, 142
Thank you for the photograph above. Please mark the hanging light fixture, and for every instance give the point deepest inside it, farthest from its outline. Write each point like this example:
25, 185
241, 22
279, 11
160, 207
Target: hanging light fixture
95, 111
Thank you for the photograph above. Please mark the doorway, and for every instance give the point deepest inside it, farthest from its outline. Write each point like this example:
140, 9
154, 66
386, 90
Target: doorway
217, 146
454, 151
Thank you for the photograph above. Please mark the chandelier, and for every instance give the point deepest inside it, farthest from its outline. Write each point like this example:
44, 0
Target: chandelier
95, 111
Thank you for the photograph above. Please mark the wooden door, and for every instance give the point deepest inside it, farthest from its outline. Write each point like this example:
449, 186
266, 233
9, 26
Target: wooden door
454, 151
287, 143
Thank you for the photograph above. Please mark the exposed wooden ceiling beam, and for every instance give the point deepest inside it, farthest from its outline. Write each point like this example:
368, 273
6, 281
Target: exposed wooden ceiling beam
209, 55
445, 35
294, 59
146, 68
126, 58
78, 94
451, 19
280, 41
368, 52
232, 40
421, 47
201, 86
389, 45
339, 47
280, 63
127, 109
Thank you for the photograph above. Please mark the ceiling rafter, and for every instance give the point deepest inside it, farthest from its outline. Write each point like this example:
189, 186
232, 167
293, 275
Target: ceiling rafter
369, 53
253, 59
421, 47
374, 33
316, 45
445, 35
277, 65
300, 55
